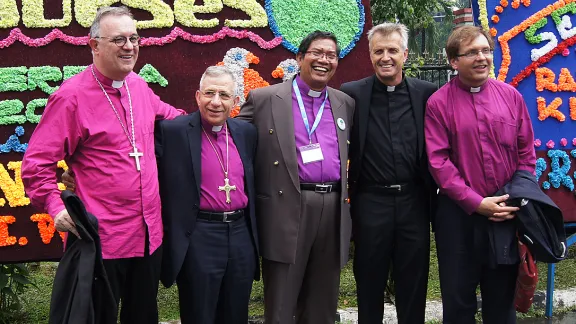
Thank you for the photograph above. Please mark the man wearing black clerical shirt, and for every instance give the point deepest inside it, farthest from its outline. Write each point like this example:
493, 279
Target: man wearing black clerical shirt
391, 190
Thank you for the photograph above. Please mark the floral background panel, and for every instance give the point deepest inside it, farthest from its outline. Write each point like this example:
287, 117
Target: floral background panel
535, 53
44, 42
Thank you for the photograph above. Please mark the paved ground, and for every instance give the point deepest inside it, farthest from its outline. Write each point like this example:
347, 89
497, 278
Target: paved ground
562, 298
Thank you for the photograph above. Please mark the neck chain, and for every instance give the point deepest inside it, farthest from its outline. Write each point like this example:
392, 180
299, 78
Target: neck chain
216, 151
227, 187
135, 154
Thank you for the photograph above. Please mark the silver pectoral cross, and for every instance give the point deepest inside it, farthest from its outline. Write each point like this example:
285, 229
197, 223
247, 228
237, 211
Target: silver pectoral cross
136, 155
227, 187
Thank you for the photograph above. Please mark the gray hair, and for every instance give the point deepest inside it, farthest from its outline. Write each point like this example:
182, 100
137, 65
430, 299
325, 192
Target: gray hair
216, 71
105, 12
387, 28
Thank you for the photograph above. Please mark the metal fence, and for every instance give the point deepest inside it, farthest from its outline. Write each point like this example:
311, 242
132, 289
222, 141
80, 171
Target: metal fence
432, 68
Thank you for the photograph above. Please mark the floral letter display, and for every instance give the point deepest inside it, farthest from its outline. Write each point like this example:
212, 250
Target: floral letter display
535, 53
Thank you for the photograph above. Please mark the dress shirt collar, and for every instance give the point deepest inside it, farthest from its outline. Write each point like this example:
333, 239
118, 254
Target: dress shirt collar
214, 130
466, 88
385, 88
306, 91
106, 80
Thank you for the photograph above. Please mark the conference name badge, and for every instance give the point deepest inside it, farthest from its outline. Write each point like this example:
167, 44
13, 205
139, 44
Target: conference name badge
311, 153
341, 124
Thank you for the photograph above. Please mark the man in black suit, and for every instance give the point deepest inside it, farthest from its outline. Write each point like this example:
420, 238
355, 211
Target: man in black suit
391, 190
205, 168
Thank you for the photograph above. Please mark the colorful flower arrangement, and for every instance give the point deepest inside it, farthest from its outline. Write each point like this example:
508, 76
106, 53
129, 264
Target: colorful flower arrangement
559, 174
33, 14
331, 17
550, 110
5, 238
13, 189
539, 56
17, 35
85, 11
46, 227
540, 167
13, 144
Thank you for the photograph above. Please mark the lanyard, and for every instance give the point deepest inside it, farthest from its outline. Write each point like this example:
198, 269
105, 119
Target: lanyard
303, 112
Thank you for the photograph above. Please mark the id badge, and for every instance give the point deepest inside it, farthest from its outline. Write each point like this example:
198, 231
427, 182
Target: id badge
311, 153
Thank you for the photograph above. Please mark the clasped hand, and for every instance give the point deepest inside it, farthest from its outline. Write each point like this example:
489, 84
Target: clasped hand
495, 208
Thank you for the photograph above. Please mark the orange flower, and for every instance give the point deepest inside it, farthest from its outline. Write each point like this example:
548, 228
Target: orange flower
504, 3
515, 4
495, 19
572, 108
499, 9
550, 110
235, 111
5, 238
22, 241
493, 32
45, 227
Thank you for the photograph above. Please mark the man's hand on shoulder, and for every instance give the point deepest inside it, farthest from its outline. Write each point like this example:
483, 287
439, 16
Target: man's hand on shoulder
495, 208
64, 223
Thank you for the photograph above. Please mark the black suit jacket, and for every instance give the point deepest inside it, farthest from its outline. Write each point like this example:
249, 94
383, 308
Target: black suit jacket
178, 154
81, 292
539, 223
361, 91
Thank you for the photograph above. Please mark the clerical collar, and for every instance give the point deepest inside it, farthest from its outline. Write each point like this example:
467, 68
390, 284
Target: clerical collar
386, 88
208, 126
106, 80
305, 89
468, 88
117, 84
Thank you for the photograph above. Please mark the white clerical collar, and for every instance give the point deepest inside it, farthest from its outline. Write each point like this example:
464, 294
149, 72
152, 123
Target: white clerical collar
390, 88
117, 84
314, 94
216, 128
475, 89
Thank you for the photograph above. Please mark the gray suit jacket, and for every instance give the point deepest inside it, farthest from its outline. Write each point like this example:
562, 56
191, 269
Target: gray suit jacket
276, 169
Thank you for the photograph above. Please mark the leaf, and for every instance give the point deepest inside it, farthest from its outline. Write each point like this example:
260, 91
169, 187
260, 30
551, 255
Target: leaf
3, 280
21, 279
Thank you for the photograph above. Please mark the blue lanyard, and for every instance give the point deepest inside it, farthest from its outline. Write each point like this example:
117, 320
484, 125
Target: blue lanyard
303, 112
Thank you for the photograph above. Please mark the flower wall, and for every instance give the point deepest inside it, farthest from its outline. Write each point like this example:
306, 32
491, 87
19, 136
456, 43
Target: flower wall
535, 53
44, 42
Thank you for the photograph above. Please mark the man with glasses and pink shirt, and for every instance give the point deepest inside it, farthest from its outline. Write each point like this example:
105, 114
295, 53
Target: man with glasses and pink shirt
478, 134
101, 122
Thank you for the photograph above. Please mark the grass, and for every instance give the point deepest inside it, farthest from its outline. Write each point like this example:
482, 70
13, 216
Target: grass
37, 300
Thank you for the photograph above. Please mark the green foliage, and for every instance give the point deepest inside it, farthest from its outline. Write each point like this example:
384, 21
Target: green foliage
14, 278
416, 14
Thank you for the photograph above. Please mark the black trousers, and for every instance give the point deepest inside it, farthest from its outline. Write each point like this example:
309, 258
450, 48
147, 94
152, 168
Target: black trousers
215, 281
391, 229
465, 261
134, 281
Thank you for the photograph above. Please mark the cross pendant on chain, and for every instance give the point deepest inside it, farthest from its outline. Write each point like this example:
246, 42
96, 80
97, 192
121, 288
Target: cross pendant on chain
227, 187
136, 155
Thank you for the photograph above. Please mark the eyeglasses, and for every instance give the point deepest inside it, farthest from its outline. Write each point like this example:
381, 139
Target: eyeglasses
120, 41
222, 94
330, 56
474, 53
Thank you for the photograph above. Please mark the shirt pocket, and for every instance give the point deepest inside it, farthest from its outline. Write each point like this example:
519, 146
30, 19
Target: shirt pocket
505, 132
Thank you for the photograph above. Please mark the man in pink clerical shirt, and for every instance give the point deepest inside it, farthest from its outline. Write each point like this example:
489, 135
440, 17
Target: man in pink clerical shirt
206, 174
101, 122
478, 134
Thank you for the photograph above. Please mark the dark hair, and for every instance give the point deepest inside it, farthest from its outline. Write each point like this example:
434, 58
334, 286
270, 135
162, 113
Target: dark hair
307, 41
464, 35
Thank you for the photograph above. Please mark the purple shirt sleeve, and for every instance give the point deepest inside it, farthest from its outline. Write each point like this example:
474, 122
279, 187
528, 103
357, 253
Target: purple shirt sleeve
55, 138
442, 169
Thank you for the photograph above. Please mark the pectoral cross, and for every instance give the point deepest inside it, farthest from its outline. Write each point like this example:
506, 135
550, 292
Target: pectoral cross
227, 187
136, 155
